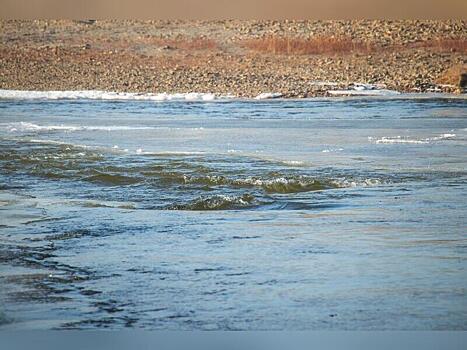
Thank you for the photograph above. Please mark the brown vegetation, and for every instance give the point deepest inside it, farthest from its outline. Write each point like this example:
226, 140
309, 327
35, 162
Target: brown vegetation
311, 46
330, 45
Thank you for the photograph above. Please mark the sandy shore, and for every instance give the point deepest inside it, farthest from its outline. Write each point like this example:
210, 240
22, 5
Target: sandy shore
227, 57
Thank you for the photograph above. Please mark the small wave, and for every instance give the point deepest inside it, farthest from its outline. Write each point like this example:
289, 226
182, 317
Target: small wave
97, 204
275, 185
98, 165
111, 179
109, 95
287, 185
280, 185
218, 202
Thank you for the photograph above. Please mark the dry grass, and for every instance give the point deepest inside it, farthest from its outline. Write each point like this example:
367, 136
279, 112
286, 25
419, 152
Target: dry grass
329, 45
311, 46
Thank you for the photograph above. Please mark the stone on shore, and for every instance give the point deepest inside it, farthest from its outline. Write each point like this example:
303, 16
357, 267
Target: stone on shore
455, 76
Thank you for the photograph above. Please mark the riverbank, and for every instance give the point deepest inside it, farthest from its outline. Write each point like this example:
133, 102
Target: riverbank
243, 58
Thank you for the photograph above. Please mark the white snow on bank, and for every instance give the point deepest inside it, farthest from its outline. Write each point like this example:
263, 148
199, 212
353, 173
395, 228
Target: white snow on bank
357, 90
323, 83
105, 95
364, 90
268, 95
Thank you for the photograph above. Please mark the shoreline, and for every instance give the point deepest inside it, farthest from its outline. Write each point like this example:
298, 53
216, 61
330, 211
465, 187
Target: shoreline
96, 95
297, 59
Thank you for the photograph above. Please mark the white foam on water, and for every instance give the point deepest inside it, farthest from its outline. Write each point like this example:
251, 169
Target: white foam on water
109, 95
25, 126
332, 150
443, 137
397, 139
115, 148
54, 142
61, 143
401, 139
293, 162
140, 151
28, 127
338, 183
102, 149
345, 183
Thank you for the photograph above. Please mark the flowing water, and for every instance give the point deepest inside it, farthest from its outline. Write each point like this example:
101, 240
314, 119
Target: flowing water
312, 214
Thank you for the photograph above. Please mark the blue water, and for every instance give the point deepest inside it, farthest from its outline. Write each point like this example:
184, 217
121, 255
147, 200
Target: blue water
285, 214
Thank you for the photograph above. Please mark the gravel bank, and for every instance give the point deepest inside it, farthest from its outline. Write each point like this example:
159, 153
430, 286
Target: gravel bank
181, 56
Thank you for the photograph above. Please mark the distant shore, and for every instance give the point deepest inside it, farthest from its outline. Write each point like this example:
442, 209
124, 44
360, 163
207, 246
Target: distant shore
244, 58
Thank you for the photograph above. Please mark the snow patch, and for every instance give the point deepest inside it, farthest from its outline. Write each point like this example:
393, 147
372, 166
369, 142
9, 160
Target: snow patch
268, 95
108, 95
364, 90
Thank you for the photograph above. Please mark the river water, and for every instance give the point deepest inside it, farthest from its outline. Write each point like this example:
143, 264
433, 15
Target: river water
344, 213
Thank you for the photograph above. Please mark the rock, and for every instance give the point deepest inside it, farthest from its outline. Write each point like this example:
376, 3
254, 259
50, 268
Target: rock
87, 21
455, 76
463, 80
